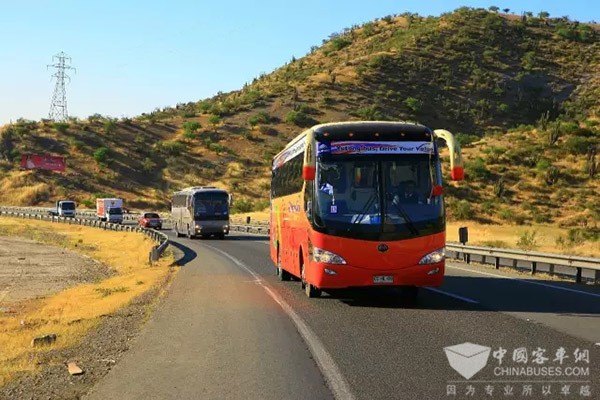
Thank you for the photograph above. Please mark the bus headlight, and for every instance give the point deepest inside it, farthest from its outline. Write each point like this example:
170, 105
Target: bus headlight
434, 257
327, 257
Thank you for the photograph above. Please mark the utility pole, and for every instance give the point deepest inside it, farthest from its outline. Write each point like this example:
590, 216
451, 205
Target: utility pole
58, 107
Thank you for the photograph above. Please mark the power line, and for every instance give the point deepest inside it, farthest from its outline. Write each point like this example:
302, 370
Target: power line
58, 107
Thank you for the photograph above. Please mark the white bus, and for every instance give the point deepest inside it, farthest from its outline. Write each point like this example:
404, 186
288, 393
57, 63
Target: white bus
201, 211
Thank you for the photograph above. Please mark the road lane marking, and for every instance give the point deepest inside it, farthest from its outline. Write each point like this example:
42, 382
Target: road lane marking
333, 376
528, 282
466, 299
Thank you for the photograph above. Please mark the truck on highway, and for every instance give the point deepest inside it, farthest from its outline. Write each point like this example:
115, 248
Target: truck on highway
110, 210
64, 208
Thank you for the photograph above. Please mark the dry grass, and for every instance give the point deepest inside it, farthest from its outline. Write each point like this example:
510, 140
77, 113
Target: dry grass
21, 187
508, 236
71, 313
255, 216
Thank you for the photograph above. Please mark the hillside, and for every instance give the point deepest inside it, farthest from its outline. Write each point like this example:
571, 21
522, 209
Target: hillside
522, 94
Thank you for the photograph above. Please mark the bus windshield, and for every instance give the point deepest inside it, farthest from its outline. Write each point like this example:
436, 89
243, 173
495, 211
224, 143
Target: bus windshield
67, 206
378, 197
211, 206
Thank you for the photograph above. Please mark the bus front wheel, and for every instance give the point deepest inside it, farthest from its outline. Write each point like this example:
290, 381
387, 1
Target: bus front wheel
311, 290
282, 274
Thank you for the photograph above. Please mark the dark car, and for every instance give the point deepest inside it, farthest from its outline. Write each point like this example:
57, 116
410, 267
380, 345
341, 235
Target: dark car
150, 220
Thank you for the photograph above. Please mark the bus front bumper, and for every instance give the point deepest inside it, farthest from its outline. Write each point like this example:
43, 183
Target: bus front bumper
211, 229
328, 276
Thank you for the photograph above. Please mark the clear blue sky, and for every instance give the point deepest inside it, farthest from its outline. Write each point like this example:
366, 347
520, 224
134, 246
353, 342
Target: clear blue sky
134, 56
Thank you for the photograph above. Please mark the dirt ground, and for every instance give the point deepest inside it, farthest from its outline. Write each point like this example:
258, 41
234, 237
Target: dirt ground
31, 270
44, 269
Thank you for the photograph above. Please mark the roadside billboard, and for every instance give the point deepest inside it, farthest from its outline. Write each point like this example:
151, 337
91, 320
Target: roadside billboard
43, 161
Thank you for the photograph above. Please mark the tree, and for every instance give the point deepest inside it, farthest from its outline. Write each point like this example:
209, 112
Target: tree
190, 127
101, 155
6, 143
543, 14
494, 9
214, 121
506, 10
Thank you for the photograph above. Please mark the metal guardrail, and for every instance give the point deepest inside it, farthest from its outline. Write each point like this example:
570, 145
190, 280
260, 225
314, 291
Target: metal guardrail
534, 258
159, 237
489, 255
134, 216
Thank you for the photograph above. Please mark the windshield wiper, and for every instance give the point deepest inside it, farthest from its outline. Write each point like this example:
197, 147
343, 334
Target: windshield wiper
409, 223
365, 209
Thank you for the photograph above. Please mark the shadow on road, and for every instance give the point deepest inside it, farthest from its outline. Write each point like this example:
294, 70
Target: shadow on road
249, 238
492, 294
183, 254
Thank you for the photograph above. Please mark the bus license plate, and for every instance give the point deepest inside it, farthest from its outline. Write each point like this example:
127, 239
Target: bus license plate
383, 279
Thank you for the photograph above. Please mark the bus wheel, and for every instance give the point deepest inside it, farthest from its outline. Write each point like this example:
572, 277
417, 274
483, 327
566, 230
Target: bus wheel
282, 274
311, 290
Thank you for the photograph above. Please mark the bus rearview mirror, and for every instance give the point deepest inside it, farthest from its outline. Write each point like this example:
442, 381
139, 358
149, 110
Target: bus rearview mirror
308, 173
457, 173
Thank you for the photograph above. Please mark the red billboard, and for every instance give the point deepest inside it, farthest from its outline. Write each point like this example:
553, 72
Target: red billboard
43, 161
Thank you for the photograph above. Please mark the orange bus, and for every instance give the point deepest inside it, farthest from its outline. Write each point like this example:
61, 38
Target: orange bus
357, 204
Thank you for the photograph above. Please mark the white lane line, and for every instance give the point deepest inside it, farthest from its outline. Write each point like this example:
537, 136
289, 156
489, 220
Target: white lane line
466, 299
527, 281
333, 376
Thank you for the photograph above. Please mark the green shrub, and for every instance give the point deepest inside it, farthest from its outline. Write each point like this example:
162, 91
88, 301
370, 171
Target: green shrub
369, 29
214, 120
78, 144
413, 104
369, 113
465, 139
242, 205
260, 118
205, 105
527, 240
340, 42
148, 165
540, 217
507, 214
7, 143
88, 203
296, 117
543, 164
579, 145
109, 126
170, 147
463, 210
583, 132
217, 148
191, 126
61, 127
101, 155
568, 127
477, 169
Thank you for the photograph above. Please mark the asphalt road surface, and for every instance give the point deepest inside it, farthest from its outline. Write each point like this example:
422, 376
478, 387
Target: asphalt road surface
229, 329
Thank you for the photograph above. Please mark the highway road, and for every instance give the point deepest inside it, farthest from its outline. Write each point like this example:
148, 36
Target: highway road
229, 329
